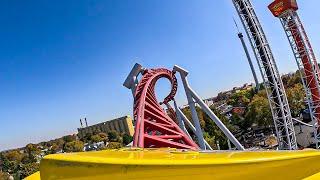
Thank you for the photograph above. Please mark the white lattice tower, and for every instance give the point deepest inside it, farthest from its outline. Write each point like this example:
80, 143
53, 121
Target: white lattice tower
272, 81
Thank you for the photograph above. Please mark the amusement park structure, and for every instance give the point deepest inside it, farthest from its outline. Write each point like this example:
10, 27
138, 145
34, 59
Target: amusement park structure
272, 81
240, 36
153, 127
167, 145
286, 11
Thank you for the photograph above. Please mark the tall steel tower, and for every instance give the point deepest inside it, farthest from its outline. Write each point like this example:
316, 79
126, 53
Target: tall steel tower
240, 35
272, 81
285, 10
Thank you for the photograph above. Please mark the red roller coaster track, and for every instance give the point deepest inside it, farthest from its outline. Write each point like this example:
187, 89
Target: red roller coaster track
153, 127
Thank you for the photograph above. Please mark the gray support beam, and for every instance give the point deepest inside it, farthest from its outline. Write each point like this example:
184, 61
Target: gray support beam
180, 121
192, 106
223, 128
229, 144
183, 127
249, 60
192, 98
303, 123
190, 125
131, 81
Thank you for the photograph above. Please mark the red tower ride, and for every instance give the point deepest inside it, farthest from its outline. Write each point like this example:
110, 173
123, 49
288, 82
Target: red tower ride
285, 10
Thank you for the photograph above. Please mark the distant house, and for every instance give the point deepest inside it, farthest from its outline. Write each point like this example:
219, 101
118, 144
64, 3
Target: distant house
238, 110
210, 101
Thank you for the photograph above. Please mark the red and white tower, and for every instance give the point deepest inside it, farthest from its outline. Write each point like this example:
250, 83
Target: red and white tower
285, 10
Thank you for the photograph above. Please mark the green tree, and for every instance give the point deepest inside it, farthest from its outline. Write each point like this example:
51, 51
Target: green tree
69, 138
32, 149
296, 96
241, 98
294, 79
87, 137
114, 136
103, 136
14, 155
211, 140
127, 139
96, 138
241, 122
114, 145
5, 163
9, 166
258, 110
74, 146
59, 142
54, 148
212, 133
200, 114
4, 175
32, 153
28, 169
285, 79
29, 158
186, 111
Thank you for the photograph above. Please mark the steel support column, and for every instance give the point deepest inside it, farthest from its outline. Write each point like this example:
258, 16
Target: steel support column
196, 99
272, 81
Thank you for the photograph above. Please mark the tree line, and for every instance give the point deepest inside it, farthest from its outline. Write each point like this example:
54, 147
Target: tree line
23, 162
256, 110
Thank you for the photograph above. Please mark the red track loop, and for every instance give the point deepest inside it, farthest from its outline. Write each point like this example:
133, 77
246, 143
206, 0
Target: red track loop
153, 127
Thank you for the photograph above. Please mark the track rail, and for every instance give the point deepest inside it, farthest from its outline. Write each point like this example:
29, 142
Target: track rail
153, 127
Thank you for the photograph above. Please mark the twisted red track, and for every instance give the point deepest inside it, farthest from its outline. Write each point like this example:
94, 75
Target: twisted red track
153, 127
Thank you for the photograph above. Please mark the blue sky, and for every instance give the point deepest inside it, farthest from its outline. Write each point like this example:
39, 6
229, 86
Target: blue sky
63, 60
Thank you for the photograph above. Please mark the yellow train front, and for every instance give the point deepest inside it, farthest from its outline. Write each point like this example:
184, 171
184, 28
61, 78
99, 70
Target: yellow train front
180, 164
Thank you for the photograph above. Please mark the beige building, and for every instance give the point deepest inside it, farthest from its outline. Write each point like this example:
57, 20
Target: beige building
121, 125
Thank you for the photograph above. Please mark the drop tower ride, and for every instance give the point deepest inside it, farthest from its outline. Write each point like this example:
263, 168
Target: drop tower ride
286, 11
